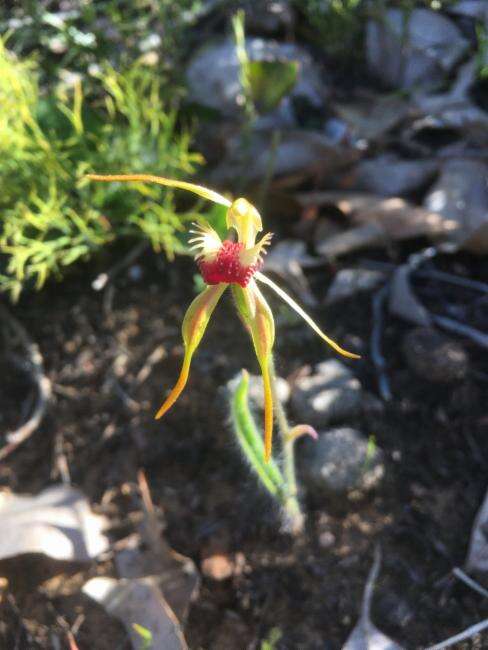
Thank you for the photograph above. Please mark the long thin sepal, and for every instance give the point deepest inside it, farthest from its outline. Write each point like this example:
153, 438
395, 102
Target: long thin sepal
178, 387
204, 192
301, 312
268, 411
193, 328
258, 318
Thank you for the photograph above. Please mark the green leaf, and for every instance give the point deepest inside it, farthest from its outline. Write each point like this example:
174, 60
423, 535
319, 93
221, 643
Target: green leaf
145, 634
270, 81
251, 442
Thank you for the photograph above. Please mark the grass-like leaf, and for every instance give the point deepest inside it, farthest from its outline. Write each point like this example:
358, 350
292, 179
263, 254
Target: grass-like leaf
251, 442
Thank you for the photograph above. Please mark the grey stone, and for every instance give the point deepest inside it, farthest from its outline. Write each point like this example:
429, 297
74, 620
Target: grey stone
330, 395
256, 391
391, 176
413, 49
371, 116
471, 8
455, 109
269, 16
298, 152
461, 196
213, 75
342, 463
348, 282
435, 357
327, 539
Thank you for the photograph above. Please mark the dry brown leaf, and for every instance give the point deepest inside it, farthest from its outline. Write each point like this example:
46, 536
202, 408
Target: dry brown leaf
139, 602
287, 260
373, 116
175, 575
477, 559
149, 555
57, 522
377, 220
402, 300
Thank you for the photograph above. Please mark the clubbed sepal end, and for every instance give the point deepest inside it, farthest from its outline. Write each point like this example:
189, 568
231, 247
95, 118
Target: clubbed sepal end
227, 267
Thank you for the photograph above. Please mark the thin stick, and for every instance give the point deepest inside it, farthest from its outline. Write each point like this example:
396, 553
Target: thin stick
370, 584
44, 388
452, 325
375, 343
459, 573
462, 636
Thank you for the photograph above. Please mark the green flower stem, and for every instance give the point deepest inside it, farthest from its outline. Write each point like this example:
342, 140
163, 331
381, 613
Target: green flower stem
278, 479
251, 442
293, 516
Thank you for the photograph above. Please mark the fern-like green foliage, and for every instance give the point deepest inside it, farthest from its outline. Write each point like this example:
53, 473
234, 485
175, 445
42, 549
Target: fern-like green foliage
50, 216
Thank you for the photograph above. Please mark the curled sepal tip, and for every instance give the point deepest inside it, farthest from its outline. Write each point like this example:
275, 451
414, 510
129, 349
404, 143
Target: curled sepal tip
193, 328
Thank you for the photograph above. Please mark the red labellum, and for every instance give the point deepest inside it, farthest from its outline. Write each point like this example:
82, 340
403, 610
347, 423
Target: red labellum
226, 266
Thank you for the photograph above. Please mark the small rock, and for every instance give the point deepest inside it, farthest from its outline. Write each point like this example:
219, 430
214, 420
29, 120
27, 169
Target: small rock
256, 390
391, 176
298, 152
461, 197
218, 567
471, 8
413, 49
434, 357
341, 462
452, 112
268, 16
330, 395
371, 116
348, 282
327, 539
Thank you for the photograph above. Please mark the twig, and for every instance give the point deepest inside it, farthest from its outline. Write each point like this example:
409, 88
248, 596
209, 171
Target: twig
432, 274
459, 281
157, 355
152, 527
44, 388
61, 462
459, 573
375, 342
462, 636
370, 583
72, 641
452, 325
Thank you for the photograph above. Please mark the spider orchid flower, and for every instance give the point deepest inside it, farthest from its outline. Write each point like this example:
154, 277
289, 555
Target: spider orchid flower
234, 264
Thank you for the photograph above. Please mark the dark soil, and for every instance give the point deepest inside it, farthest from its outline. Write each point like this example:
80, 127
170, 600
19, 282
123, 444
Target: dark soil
433, 437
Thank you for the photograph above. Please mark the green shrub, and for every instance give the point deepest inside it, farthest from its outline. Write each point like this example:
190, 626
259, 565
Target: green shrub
76, 35
50, 215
